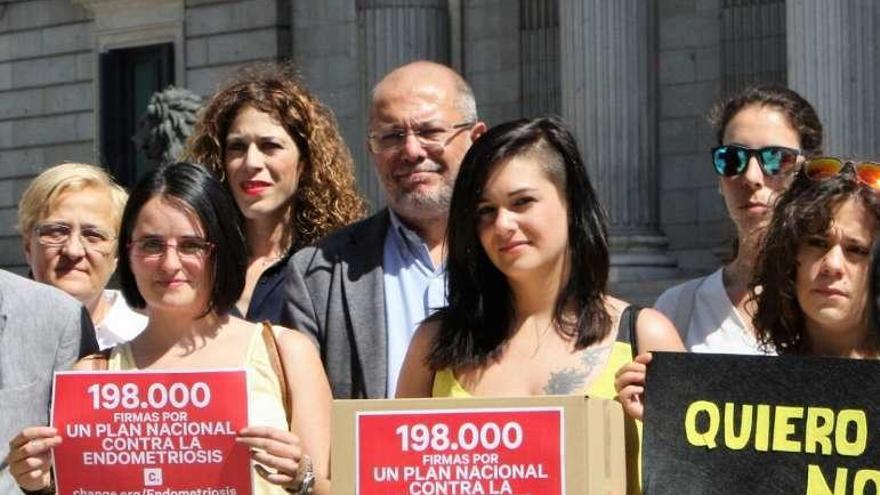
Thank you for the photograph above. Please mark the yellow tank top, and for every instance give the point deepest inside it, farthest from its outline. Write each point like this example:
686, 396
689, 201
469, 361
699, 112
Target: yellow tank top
263, 389
446, 385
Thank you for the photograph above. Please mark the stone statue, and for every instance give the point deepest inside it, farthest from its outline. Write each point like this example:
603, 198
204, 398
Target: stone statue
167, 123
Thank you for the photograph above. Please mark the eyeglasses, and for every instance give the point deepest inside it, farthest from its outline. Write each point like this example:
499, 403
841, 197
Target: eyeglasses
187, 248
56, 234
825, 167
433, 138
731, 160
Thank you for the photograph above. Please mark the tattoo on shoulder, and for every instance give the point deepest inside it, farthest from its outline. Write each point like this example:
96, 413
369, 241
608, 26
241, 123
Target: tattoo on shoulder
592, 357
571, 380
564, 382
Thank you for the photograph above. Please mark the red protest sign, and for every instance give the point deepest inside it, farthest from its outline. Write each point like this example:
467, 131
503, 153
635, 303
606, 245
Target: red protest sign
145, 433
458, 451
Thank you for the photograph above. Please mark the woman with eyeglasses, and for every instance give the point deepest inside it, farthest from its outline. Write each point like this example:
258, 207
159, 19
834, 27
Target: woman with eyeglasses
69, 219
278, 151
183, 262
811, 283
764, 133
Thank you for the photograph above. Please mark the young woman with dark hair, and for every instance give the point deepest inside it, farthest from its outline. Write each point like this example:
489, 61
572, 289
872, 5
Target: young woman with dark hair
182, 260
812, 282
811, 285
528, 263
763, 133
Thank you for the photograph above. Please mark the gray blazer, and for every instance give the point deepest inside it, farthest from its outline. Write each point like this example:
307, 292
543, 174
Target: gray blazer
42, 330
334, 293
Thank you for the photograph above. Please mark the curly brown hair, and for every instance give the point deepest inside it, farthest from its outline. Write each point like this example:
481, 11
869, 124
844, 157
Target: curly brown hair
326, 197
804, 210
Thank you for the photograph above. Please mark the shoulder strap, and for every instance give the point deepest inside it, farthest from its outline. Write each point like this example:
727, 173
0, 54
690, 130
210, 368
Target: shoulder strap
633, 312
100, 360
685, 307
277, 366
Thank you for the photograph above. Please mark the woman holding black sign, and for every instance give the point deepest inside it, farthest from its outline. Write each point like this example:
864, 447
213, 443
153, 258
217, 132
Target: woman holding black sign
763, 135
811, 287
528, 264
183, 261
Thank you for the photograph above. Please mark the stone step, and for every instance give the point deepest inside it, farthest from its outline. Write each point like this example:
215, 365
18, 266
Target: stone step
642, 292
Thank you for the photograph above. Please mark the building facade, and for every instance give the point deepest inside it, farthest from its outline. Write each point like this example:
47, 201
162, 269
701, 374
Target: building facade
633, 78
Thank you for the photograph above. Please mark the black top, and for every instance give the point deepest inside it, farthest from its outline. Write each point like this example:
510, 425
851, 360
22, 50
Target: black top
268, 296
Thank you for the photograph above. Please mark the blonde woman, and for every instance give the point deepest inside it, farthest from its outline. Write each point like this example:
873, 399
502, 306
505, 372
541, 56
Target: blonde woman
69, 222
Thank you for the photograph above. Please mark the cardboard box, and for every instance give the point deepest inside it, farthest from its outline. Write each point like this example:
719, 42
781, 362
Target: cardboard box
529, 445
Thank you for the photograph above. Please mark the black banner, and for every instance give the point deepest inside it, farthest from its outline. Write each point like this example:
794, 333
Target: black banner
722, 424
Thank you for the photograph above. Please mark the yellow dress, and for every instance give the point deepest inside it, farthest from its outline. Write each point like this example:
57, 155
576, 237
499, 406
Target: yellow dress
263, 389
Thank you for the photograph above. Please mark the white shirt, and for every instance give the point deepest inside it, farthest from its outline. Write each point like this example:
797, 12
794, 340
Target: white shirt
714, 323
120, 323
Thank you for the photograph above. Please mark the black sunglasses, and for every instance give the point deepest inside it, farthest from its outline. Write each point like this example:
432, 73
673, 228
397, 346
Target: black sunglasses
731, 160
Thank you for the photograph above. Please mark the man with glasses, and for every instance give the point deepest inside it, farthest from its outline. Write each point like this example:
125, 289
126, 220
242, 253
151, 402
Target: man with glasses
362, 291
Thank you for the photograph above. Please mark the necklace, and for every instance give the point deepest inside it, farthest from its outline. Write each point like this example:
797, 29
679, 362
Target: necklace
269, 261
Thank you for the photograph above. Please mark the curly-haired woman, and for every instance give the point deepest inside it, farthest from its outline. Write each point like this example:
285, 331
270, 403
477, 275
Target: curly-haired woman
278, 150
811, 283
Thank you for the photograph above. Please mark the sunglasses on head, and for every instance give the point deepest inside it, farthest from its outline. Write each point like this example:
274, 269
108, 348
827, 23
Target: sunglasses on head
825, 167
731, 160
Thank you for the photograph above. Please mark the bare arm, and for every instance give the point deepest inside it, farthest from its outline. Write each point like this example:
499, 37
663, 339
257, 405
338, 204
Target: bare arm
311, 401
416, 379
310, 429
656, 333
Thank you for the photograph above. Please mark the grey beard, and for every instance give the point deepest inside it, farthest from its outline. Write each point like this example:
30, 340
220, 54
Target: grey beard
422, 206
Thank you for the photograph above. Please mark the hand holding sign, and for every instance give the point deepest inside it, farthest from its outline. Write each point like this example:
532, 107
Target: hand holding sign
147, 431
276, 449
629, 381
29, 456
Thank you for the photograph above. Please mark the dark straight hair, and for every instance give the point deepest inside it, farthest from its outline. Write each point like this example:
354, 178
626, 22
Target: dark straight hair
480, 314
193, 189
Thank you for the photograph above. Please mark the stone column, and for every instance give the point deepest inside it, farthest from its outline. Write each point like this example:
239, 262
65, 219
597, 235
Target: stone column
608, 98
391, 33
325, 49
834, 62
398, 31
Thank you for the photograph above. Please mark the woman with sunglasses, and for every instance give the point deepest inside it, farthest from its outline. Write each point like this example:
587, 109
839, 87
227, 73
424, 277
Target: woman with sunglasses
764, 133
183, 262
810, 289
811, 283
